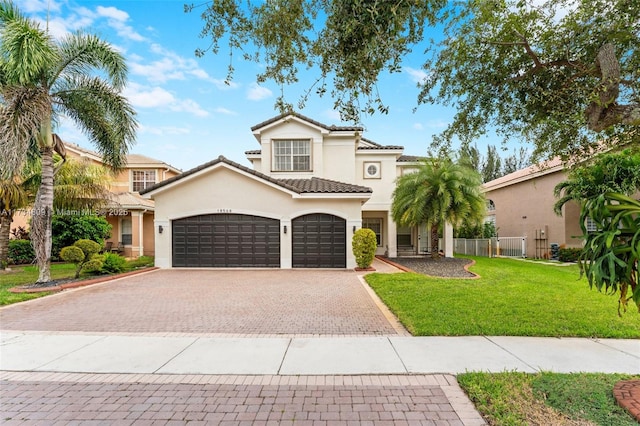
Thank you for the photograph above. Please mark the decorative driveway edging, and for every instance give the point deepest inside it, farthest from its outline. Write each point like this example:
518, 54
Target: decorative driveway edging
627, 393
80, 283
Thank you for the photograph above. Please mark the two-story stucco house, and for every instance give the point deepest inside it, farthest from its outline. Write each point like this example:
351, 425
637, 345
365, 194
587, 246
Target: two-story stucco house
130, 215
311, 186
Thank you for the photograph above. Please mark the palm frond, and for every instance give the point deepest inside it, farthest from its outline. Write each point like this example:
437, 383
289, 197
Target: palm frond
21, 115
104, 115
27, 50
82, 53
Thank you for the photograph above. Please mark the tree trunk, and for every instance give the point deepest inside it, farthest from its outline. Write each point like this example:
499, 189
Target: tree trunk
604, 112
42, 214
5, 229
435, 254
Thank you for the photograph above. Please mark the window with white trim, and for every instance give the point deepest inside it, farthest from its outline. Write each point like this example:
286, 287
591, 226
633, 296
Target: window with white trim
126, 231
376, 226
142, 179
591, 225
292, 155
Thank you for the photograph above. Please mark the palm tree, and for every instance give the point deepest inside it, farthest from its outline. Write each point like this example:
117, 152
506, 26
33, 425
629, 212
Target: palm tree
42, 79
439, 192
77, 185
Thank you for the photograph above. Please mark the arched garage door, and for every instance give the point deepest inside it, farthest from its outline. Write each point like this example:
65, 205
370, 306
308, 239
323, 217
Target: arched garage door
226, 240
319, 241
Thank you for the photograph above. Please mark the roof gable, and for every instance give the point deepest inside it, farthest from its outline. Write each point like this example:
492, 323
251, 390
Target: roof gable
282, 118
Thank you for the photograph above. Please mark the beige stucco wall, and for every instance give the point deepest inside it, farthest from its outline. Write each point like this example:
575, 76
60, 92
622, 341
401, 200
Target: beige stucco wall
522, 208
222, 189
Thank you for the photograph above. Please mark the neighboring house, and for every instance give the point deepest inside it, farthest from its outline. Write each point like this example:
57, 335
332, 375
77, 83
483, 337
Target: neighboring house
310, 188
130, 215
521, 205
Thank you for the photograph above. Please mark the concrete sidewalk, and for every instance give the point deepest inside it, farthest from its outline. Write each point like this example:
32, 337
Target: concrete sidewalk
193, 354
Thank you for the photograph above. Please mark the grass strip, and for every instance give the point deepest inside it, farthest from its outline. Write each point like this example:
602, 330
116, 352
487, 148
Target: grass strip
512, 298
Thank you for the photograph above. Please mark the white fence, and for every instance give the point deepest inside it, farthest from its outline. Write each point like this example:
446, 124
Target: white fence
491, 247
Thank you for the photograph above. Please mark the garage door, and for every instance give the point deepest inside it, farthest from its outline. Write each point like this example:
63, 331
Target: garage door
319, 241
226, 240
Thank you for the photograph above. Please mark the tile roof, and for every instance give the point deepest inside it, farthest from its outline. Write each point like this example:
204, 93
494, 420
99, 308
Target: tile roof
137, 159
319, 185
299, 186
253, 152
410, 158
309, 120
130, 200
530, 172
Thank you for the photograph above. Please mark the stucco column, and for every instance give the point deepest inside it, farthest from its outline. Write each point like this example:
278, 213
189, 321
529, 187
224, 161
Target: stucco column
391, 242
352, 226
136, 232
285, 244
140, 234
448, 240
162, 243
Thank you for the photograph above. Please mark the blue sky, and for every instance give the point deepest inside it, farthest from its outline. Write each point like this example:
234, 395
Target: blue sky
187, 115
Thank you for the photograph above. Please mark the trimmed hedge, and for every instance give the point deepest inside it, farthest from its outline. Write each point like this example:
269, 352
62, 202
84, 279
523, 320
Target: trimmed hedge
21, 252
569, 254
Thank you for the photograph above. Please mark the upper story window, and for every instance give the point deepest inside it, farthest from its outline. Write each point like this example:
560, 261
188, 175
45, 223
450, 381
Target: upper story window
292, 155
142, 179
591, 225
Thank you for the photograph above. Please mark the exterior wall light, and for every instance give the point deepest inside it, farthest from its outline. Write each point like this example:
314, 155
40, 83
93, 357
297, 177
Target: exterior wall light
285, 229
160, 229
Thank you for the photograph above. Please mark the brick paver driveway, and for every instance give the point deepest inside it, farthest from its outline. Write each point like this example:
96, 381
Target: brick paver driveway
247, 302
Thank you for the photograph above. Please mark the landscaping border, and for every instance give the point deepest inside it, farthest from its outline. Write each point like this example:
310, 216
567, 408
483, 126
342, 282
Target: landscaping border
82, 283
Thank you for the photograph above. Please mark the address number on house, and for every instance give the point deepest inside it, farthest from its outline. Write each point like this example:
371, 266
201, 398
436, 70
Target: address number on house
223, 211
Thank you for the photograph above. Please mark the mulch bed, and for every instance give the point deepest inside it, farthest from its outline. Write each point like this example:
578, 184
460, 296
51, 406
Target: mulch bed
446, 267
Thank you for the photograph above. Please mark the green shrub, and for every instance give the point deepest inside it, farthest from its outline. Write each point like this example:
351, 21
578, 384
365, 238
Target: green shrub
364, 247
72, 254
70, 228
94, 265
113, 263
81, 253
569, 254
21, 252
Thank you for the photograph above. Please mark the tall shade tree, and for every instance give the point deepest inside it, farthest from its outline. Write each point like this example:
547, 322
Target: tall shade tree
562, 75
41, 80
439, 192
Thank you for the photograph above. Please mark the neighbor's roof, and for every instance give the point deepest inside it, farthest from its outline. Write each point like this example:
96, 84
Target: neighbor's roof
133, 160
130, 200
299, 186
528, 173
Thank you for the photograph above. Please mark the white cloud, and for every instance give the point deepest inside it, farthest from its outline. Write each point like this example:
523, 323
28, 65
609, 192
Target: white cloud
117, 19
157, 97
190, 106
113, 13
437, 124
225, 111
163, 130
418, 126
416, 75
31, 6
257, 93
142, 97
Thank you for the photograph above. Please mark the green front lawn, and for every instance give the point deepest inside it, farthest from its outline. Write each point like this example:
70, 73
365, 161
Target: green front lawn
545, 398
24, 275
512, 298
